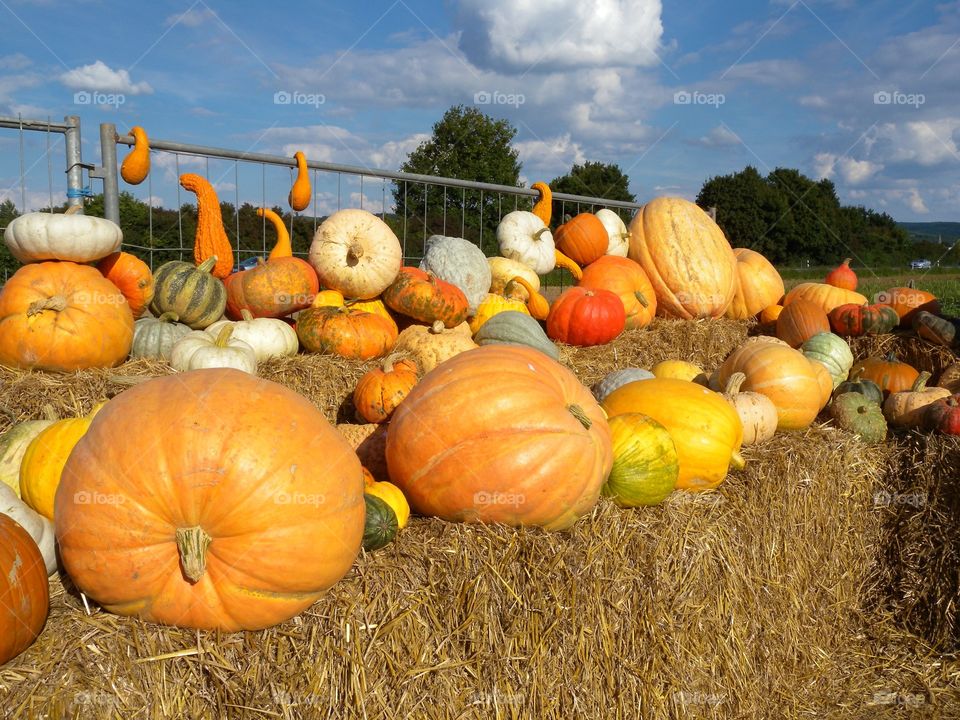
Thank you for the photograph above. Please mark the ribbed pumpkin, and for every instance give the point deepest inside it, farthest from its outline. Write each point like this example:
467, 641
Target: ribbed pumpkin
380, 523
196, 296
907, 408
586, 317
380, 390
842, 276
426, 298
618, 378
62, 316
500, 434
512, 327
334, 298
211, 239
24, 593
758, 414
887, 372
868, 388
355, 252
275, 288
245, 513
348, 333
645, 462
583, 239
689, 262
155, 337
705, 429
782, 374
626, 279
856, 320
826, 296
133, 278
907, 301
832, 352
800, 321
759, 285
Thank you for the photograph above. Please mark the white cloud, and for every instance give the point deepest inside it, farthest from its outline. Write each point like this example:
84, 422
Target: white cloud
776, 73
823, 165
720, 136
916, 203
391, 154
98, 76
191, 18
926, 143
851, 171
545, 159
816, 101
533, 36
17, 61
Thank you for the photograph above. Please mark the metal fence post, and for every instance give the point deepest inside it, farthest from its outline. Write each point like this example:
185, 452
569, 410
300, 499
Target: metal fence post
71, 140
108, 163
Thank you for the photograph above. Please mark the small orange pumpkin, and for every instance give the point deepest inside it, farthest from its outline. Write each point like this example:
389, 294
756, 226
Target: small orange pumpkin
132, 276
889, 373
800, 321
344, 332
426, 298
625, 278
380, 390
583, 239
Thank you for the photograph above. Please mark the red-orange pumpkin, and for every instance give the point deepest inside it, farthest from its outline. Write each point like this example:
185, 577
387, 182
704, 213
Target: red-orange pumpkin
583, 239
856, 320
800, 321
273, 289
348, 333
842, 276
132, 276
24, 594
500, 434
380, 390
426, 298
889, 373
624, 278
586, 317
230, 503
908, 301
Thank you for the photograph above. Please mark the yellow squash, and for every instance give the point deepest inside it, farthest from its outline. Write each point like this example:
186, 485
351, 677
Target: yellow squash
392, 496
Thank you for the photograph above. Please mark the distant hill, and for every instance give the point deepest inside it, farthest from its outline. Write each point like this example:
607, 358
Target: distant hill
930, 231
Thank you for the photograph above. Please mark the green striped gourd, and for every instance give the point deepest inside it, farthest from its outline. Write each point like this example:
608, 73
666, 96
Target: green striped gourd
196, 296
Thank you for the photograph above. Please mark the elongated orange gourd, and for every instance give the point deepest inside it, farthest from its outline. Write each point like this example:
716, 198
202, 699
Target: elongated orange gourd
211, 239
543, 208
537, 304
282, 248
299, 196
564, 262
136, 165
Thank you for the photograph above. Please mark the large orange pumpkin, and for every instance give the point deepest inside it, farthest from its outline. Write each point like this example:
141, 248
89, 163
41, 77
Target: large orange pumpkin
625, 278
272, 289
891, 375
759, 285
24, 593
583, 239
800, 321
826, 296
206, 518
133, 278
63, 316
500, 434
686, 256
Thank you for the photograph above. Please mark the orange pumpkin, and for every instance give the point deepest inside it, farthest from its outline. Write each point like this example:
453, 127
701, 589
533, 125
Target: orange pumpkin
908, 301
222, 525
769, 314
380, 390
133, 278
759, 285
583, 239
500, 434
826, 296
800, 321
335, 298
272, 289
426, 298
689, 262
887, 372
585, 317
345, 332
625, 278
24, 593
842, 276
63, 316
211, 239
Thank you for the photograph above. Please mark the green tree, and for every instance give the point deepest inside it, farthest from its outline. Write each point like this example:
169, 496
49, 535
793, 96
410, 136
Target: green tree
8, 265
468, 145
593, 179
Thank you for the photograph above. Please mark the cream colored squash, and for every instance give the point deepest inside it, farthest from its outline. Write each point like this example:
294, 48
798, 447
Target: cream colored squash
200, 350
37, 526
523, 237
430, 346
35, 237
356, 253
619, 238
269, 337
13, 446
503, 270
758, 414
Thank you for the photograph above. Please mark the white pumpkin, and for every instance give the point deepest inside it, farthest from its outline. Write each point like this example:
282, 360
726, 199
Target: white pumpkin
618, 238
269, 337
461, 263
503, 270
37, 526
523, 237
13, 445
36, 236
758, 414
199, 349
357, 253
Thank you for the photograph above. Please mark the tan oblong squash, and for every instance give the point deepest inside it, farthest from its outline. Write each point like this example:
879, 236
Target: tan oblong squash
136, 165
826, 296
211, 239
299, 197
686, 256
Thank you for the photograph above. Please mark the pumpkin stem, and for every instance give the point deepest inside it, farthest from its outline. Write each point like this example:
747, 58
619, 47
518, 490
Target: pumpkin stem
223, 337
57, 303
192, 544
354, 252
246, 314
737, 461
641, 298
74, 210
920, 384
539, 233
847, 261
437, 327
168, 316
581, 415
734, 382
208, 264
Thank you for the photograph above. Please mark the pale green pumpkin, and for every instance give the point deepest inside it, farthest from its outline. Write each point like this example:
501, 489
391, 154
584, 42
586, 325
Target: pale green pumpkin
831, 351
13, 445
461, 263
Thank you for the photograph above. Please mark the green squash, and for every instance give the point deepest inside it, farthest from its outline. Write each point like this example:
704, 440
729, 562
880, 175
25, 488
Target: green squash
512, 327
612, 380
155, 337
190, 291
831, 351
936, 329
380, 526
868, 388
855, 413
645, 461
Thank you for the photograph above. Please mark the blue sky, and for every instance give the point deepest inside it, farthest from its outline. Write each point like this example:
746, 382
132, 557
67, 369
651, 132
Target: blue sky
865, 93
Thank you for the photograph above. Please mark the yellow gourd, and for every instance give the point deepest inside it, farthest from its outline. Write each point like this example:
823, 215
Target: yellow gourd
537, 304
543, 208
392, 496
493, 304
136, 165
299, 197
283, 248
211, 239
